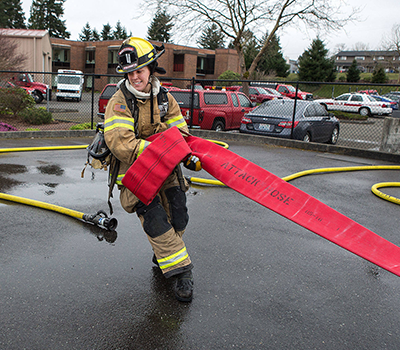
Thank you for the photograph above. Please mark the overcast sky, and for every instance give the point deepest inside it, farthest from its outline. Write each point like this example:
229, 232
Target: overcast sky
377, 20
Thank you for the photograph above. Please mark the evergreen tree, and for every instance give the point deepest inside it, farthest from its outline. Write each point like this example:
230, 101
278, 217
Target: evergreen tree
95, 35
314, 65
379, 75
86, 34
120, 32
106, 33
11, 14
272, 60
353, 74
46, 14
212, 38
160, 27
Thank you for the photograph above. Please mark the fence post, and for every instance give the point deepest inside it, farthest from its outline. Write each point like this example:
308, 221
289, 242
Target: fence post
294, 109
333, 91
192, 104
91, 118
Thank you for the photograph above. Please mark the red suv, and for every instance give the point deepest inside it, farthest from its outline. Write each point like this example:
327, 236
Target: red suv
213, 110
105, 95
260, 95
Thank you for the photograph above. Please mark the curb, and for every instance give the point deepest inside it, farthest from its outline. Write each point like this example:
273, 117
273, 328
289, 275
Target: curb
225, 136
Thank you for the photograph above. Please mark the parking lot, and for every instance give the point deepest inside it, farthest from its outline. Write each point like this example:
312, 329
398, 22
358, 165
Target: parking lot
261, 281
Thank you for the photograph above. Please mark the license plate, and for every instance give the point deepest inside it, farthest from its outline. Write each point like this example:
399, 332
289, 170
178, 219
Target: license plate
265, 127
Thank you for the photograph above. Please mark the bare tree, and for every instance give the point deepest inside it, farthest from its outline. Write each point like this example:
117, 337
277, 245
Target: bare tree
10, 59
392, 42
234, 17
360, 46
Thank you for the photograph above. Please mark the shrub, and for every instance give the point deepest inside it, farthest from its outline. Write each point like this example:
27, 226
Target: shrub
229, 75
82, 126
37, 116
14, 101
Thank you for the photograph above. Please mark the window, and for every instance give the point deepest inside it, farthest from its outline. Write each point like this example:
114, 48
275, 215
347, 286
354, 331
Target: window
112, 58
61, 57
360, 58
344, 97
320, 110
235, 100
184, 98
90, 56
343, 58
357, 98
179, 60
244, 101
215, 98
310, 111
381, 58
205, 65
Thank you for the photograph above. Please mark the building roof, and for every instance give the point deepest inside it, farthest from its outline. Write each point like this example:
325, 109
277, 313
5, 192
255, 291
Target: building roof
33, 33
367, 53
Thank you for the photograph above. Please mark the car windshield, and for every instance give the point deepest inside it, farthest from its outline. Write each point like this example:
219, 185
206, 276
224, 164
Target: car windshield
262, 90
68, 79
284, 108
109, 91
273, 92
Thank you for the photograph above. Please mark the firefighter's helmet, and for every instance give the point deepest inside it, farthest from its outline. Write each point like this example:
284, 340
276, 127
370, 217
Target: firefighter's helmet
136, 53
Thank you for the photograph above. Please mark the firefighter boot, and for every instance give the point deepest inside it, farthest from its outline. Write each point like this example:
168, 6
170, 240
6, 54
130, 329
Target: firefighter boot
184, 286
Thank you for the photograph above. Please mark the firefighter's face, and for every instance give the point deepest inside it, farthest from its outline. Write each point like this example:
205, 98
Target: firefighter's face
139, 79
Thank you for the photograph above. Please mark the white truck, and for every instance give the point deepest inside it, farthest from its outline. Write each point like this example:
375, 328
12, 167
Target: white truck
69, 84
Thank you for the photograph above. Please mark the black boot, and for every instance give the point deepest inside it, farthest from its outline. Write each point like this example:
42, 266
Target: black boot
184, 286
155, 262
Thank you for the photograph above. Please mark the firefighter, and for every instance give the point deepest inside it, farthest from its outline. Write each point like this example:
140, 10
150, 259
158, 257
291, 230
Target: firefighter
132, 115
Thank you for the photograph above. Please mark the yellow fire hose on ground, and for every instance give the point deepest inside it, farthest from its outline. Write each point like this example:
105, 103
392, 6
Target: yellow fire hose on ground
101, 219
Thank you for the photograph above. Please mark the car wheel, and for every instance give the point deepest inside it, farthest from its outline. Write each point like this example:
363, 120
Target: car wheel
37, 96
364, 112
334, 136
218, 126
307, 137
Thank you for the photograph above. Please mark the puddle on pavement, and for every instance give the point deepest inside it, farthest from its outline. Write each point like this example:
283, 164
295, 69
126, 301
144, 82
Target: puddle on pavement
9, 169
51, 169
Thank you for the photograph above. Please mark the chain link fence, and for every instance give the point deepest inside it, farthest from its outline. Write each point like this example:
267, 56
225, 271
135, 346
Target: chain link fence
222, 105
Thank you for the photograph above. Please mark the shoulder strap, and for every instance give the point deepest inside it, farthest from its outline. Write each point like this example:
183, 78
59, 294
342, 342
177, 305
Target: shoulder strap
162, 101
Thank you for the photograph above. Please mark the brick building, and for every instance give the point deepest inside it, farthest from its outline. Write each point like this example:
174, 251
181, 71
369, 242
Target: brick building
368, 60
180, 62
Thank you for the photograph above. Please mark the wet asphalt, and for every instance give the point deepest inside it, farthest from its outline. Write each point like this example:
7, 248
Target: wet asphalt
261, 281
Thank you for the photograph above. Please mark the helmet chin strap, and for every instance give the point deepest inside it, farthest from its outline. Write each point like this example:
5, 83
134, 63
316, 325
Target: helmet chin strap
151, 102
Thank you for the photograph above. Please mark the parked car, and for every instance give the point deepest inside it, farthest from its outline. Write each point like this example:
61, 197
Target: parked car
393, 104
260, 95
213, 110
276, 93
393, 95
369, 92
39, 90
363, 104
312, 122
288, 90
105, 95
8, 84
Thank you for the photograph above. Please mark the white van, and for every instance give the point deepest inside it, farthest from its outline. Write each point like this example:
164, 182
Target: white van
69, 84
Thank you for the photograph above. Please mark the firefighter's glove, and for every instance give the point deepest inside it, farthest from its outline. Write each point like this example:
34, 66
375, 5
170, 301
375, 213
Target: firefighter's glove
192, 163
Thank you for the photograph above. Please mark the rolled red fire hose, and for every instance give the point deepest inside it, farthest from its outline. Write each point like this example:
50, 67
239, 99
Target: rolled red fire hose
285, 199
